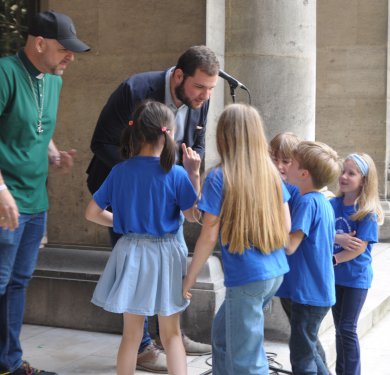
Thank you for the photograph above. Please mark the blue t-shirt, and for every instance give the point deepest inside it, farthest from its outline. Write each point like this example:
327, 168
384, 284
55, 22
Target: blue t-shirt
144, 198
356, 273
311, 277
294, 195
252, 265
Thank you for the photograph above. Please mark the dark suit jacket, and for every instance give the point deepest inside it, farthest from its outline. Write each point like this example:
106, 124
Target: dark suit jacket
115, 117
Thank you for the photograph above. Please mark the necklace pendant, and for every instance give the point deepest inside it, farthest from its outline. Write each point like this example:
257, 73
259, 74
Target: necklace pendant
39, 127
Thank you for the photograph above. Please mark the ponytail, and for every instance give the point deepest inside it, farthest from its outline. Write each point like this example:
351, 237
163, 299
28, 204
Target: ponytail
168, 154
131, 141
152, 120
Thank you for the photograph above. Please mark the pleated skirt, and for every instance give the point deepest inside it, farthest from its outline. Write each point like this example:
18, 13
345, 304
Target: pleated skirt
143, 276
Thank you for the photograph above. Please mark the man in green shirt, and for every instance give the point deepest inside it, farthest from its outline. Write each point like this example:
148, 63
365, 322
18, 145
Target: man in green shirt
30, 84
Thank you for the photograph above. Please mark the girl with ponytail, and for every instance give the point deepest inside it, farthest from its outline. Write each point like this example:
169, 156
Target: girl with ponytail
144, 273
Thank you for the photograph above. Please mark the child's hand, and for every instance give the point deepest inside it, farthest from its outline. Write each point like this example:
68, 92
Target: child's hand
186, 289
191, 160
348, 241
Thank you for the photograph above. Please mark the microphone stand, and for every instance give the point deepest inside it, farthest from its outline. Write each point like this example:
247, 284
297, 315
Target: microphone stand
232, 92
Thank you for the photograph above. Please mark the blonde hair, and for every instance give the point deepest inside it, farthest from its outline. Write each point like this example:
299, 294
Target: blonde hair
320, 160
367, 202
252, 210
284, 145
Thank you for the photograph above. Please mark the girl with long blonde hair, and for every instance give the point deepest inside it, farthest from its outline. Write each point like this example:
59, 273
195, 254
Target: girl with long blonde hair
358, 214
244, 203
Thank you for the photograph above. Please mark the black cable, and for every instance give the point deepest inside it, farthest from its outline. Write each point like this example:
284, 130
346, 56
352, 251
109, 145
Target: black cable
275, 367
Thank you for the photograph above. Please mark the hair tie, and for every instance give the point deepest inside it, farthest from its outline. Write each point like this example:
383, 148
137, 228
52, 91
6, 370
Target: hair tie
164, 129
360, 162
131, 123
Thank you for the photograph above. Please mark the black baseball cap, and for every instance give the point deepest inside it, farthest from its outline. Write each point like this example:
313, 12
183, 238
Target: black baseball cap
53, 25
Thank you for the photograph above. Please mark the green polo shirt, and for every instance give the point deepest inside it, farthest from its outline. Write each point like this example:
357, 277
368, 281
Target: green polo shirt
24, 151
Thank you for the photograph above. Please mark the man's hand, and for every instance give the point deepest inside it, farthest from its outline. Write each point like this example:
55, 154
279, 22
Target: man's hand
9, 213
63, 162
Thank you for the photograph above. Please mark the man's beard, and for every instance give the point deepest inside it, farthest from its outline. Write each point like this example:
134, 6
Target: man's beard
180, 94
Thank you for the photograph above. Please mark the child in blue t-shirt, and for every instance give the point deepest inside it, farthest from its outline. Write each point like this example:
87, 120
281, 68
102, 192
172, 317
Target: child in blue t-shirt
310, 282
245, 205
358, 212
282, 148
144, 273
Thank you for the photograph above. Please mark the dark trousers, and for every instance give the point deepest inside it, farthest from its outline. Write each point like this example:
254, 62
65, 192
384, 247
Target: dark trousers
346, 311
305, 323
286, 304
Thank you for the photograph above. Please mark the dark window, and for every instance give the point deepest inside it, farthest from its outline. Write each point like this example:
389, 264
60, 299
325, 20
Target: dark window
14, 18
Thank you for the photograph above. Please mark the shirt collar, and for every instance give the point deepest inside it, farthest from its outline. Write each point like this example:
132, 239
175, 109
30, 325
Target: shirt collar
168, 97
29, 66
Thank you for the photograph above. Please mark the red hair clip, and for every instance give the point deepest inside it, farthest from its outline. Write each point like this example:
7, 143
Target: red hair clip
131, 123
164, 129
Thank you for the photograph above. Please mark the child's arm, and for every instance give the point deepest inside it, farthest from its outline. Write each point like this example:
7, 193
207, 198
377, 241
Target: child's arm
348, 241
192, 214
295, 240
352, 247
287, 216
203, 248
95, 214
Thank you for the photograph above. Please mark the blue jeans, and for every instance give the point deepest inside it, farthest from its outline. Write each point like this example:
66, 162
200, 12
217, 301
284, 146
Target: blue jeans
286, 304
346, 311
114, 237
305, 323
18, 257
238, 329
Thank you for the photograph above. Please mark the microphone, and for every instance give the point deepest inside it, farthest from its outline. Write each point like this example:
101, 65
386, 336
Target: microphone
234, 83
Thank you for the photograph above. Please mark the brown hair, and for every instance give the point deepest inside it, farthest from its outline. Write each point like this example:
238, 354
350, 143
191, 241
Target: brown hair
284, 145
320, 160
198, 57
151, 121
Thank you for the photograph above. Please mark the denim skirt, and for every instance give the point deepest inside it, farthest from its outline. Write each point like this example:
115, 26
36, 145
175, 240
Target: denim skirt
143, 276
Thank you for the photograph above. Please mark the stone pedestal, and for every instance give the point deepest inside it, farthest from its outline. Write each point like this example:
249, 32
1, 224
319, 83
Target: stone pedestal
207, 296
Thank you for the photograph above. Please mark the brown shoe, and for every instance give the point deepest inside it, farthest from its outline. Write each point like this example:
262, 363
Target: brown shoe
195, 348
152, 359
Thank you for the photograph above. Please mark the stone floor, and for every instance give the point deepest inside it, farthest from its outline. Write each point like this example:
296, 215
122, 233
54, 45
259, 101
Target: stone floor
79, 352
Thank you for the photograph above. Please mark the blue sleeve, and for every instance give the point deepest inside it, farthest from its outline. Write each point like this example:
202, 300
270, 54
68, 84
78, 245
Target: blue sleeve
286, 193
186, 194
212, 193
302, 216
367, 229
103, 196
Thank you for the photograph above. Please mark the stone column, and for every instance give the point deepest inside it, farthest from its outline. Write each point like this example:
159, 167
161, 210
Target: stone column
271, 48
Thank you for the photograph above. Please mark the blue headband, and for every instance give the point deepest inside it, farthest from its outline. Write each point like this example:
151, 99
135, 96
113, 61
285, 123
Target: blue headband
360, 162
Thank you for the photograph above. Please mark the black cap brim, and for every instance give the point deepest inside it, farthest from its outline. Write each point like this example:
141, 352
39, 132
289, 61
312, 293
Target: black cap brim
74, 45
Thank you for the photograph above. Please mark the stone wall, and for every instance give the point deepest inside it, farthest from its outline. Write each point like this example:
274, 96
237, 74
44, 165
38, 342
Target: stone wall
352, 78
